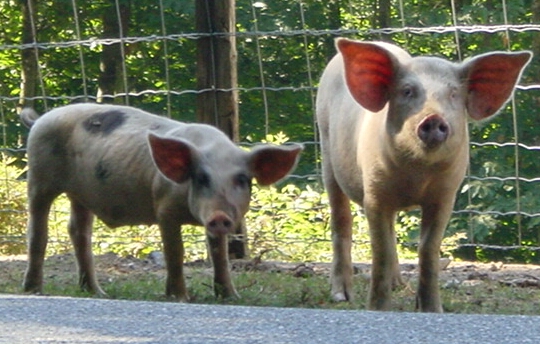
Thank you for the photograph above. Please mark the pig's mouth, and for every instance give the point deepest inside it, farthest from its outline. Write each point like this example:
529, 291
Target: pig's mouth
433, 131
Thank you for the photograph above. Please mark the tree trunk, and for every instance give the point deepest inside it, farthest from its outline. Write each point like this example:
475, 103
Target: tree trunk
334, 23
383, 17
536, 38
111, 77
216, 69
216, 65
535, 47
29, 74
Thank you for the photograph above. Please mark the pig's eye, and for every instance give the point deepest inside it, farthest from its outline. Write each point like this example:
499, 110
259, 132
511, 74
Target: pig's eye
243, 181
454, 93
202, 179
408, 91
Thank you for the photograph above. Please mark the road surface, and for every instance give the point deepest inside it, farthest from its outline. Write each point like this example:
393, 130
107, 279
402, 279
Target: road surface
42, 319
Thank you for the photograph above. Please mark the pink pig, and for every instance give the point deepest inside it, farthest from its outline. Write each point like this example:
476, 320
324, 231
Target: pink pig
393, 131
129, 167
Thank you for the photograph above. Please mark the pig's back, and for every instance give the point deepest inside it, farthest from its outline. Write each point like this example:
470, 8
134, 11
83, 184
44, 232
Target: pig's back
99, 156
99, 120
339, 118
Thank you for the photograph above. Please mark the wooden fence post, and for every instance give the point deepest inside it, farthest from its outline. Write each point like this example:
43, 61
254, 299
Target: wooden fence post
217, 104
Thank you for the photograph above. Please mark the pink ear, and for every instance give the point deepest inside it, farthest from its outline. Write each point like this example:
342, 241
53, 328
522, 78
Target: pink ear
272, 163
369, 72
173, 157
491, 79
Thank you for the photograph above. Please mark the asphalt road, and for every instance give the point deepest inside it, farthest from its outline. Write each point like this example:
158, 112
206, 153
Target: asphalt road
41, 319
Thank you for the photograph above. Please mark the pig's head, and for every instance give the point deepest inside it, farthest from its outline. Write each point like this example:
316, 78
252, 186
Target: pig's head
425, 101
220, 181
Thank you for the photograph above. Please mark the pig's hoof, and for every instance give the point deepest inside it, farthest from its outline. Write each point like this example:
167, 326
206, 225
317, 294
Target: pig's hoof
229, 295
32, 285
340, 297
225, 291
234, 296
28, 289
100, 294
34, 292
178, 298
94, 290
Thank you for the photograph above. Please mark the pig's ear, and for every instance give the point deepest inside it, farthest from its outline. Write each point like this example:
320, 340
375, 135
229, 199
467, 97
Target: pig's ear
173, 157
269, 164
369, 72
491, 79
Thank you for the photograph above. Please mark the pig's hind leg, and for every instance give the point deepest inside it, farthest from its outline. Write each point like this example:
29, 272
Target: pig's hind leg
39, 205
80, 232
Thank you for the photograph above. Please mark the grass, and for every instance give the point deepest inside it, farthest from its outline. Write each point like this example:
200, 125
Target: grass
278, 288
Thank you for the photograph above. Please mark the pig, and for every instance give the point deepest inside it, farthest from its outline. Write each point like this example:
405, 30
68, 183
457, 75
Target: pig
129, 167
394, 136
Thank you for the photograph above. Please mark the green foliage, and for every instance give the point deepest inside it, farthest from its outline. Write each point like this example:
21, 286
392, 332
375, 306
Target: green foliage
288, 224
13, 209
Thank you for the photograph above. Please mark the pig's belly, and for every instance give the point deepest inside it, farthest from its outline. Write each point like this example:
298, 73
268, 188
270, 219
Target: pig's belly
116, 207
350, 181
123, 215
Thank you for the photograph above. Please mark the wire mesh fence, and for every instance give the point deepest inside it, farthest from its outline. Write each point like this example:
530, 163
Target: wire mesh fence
282, 49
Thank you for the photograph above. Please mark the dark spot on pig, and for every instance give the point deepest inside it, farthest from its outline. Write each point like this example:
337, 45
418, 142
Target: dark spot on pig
56, 144
118, 213
105, 122
58, 148
101, 171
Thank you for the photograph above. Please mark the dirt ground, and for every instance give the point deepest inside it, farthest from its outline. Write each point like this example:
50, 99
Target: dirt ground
452, 273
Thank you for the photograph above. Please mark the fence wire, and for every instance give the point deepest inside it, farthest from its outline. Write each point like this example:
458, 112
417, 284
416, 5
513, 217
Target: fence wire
470, 29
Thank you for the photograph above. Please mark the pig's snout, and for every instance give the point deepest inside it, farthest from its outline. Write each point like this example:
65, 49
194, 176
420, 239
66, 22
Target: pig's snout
219, 224
433, 130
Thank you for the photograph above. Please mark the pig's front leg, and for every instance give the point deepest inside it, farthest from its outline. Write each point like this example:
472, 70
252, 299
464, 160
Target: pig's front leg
385, 274
37, 235
435, 217
173, 249
341, 225
223, 286
80, 232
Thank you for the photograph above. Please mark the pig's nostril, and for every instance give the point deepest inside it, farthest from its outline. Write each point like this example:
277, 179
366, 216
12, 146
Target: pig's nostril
433, 130
220, 224
426, 127
431, 125
224, 223
443, 128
